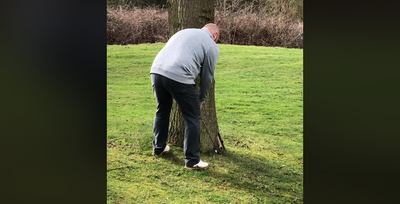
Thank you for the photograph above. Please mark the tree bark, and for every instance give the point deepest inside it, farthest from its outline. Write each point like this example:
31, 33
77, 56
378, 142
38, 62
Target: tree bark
189, 14
194, 14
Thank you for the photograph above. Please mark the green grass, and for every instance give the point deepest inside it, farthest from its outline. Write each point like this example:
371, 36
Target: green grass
259, 102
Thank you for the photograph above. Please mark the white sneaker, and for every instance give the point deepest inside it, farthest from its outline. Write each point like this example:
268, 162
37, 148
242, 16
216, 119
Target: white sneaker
198, 166
166, 150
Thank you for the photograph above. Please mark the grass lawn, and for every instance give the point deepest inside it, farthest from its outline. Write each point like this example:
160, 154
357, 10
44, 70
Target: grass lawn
259, 103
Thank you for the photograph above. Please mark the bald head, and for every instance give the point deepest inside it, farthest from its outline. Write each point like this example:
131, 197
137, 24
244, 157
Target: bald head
214, 30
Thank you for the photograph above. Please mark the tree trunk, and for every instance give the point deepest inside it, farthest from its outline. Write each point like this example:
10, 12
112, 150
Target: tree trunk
189, 14
194, 14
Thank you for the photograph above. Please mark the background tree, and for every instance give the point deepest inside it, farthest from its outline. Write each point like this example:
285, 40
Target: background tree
194, 14
136, 3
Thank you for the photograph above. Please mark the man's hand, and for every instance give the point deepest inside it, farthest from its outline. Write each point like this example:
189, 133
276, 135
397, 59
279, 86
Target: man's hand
201, 106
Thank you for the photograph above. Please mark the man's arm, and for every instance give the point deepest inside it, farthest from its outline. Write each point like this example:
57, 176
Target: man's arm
207, 72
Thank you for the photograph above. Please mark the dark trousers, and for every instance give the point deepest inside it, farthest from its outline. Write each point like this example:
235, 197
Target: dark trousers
187, 97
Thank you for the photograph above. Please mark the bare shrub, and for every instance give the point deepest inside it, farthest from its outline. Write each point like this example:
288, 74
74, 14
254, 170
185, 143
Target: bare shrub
134, 26
255, 28
292, 9
245, 26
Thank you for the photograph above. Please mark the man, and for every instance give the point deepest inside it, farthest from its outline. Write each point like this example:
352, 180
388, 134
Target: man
187, 54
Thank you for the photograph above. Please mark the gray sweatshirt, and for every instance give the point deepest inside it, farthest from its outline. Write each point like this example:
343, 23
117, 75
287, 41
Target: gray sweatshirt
187, 54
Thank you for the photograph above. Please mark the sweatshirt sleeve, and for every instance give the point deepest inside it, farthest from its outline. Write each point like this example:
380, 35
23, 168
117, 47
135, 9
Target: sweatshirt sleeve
207, 72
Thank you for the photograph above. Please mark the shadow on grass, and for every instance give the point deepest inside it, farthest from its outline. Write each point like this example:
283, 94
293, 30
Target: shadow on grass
256, 175
261, 178
174, 159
